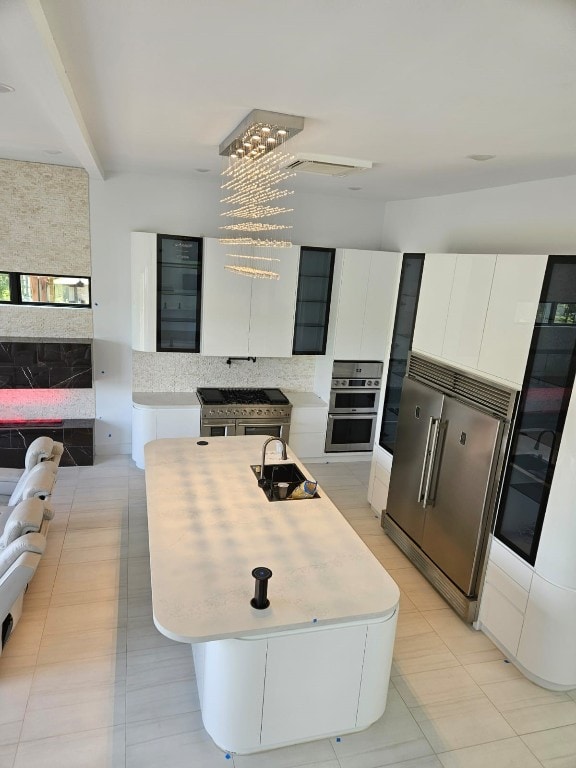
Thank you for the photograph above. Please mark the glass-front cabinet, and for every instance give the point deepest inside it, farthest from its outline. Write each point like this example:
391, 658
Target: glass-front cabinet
408, 291
179, 283
166, 292
313, 300
541, 412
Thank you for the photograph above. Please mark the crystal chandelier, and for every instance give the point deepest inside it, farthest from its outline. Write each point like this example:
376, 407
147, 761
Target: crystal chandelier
254, 195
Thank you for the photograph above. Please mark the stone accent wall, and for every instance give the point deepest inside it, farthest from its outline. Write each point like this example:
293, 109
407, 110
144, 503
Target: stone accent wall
44, 219
45, 322
45, 229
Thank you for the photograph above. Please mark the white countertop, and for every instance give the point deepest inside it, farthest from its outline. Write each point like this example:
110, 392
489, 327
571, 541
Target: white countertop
165, 400
305, 399
210, 524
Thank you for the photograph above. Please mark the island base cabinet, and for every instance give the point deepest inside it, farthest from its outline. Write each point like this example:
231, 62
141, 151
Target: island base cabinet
266, 692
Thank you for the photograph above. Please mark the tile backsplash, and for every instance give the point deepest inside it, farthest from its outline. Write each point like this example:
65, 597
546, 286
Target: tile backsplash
175, 372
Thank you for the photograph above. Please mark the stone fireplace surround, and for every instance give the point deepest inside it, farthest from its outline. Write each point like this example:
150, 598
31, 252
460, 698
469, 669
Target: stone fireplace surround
45, 365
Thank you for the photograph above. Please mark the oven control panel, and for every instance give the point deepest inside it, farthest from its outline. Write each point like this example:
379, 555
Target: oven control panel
356, 383
252, 412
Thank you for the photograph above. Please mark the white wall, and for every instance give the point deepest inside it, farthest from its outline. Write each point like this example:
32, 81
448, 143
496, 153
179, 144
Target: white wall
534, 217
180, 206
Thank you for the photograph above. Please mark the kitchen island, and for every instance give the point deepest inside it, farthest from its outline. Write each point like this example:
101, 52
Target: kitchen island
316, 662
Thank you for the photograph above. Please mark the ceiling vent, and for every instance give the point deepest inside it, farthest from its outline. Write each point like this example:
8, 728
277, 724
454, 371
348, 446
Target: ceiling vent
327, 165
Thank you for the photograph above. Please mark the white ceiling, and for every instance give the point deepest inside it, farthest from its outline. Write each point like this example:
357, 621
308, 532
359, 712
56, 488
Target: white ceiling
415, 86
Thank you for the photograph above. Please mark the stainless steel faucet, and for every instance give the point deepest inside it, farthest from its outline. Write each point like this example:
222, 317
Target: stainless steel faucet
284, 454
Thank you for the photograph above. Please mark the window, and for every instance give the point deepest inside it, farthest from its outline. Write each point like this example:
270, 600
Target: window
5, 292
51, 290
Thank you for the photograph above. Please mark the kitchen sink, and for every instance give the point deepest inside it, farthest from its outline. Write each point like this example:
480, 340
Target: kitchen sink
280, 473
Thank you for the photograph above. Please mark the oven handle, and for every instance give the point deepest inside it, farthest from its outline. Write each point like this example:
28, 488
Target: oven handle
338, 415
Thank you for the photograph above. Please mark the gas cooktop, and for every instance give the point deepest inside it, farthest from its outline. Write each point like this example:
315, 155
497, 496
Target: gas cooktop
242, 397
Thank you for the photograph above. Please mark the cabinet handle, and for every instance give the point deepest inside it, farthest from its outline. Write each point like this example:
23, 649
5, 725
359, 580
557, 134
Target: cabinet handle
425, 461
431, 463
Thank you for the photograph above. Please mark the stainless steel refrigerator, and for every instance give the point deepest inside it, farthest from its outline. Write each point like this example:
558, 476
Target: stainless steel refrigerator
448, 458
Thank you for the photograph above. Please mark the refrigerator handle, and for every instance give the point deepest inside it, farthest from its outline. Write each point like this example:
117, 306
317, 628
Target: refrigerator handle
427, 498
425, 461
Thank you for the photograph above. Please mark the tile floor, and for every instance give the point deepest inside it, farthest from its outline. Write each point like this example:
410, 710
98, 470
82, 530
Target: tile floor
86, 681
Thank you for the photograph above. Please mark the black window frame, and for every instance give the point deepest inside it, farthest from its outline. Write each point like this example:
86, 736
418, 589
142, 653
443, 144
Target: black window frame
16, 292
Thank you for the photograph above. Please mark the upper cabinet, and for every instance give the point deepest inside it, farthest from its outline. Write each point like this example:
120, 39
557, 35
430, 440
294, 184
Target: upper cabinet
366, 298
166, 292
511, 313
242, 316
433, 303
313, 300
468, 306
478, 310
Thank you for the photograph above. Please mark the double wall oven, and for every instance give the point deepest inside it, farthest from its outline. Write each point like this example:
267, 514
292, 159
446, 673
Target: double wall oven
353, 407
227, 412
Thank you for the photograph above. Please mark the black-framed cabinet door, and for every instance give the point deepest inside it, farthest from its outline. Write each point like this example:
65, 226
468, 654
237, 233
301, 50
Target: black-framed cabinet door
179, 286
542, 410
313, 300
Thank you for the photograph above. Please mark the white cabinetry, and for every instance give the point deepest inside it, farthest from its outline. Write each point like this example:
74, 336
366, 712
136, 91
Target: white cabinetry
307, 424
143, 301
379, 479
363, 320
468, 306
478, 310
433, 303
158, 415
244, 317
257, 693
511, 313
308, 431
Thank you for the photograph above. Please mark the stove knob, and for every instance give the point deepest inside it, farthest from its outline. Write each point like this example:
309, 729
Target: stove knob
245, 413
376, 383
210, 412
369, 383
259, 412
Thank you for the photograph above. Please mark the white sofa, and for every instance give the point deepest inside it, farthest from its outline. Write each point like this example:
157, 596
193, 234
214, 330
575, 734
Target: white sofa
22, 543
40, 450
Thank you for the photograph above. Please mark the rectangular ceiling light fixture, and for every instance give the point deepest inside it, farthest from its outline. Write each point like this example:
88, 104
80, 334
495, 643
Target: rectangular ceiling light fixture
254, 195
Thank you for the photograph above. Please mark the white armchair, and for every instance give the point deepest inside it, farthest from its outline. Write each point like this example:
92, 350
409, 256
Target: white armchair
39, 450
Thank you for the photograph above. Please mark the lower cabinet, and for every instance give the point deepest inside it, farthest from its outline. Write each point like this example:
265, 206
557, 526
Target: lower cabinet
379, 480
149, 423
258, 693
530, 618
308, 431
